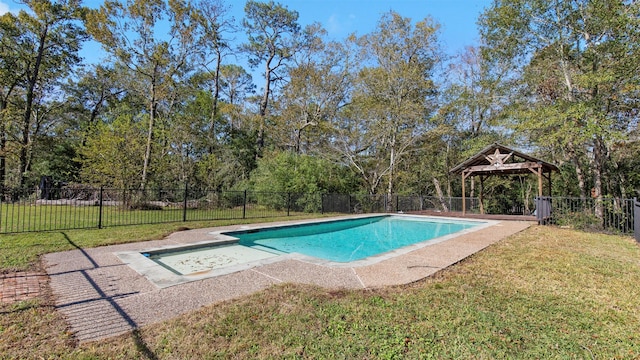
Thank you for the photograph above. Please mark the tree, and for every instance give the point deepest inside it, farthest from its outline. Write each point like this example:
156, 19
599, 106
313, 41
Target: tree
155, 63
471, 106
12, 73
185, 142
391, 99
272, 32
214, 22
55, 146
42, 46
319, 86
236, 84
578, 64
290, 172
109, 155
474, 95
89, 97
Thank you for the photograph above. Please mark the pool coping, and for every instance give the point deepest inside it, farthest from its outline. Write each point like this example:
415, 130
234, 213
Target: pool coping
101, 296
163, 277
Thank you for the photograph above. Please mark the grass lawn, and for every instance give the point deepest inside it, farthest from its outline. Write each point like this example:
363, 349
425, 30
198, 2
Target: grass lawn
543, 293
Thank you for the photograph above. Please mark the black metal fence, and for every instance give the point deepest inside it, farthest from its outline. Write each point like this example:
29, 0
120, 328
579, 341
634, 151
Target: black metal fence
87, 207
609, 214
364, 203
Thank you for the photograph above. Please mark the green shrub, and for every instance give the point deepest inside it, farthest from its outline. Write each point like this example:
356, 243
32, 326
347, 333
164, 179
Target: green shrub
144, 205
579, 220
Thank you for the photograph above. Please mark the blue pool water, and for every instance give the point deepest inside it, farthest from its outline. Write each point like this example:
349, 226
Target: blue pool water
350, 240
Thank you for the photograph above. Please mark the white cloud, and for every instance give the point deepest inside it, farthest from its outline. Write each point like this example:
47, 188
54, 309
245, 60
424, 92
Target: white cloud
338, 26
4, 8
333, 24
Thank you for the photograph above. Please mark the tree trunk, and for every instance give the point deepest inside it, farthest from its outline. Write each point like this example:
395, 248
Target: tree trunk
392, 165
24, 145
449, 192
26, 118
298, 140
392, 161
527, 196
147, 153
472, 191
579, 173
443, 203
264, 103
216, 97
623, 182
216, 93
598, 148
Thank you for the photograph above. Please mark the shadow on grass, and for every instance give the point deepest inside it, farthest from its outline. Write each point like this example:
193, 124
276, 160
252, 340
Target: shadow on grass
141, 346
19, 307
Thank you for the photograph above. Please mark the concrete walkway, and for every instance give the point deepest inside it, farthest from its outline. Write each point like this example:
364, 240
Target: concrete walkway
103, 297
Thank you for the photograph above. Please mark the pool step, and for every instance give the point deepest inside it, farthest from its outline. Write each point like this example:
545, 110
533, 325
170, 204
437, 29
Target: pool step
268, 249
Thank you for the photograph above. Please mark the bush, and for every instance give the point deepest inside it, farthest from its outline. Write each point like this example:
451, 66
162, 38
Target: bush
146, 205
287, 172
580, 220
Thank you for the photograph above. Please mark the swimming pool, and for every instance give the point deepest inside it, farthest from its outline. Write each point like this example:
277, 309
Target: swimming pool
343, 242
349, 240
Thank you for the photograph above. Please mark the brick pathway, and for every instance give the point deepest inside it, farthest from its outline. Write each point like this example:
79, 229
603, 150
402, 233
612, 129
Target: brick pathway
21, 286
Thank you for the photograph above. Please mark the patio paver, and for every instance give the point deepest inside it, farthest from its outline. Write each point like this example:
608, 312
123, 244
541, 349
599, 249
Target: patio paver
20, 286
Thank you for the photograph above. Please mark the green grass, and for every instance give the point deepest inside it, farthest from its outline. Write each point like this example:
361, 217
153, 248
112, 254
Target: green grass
545, 293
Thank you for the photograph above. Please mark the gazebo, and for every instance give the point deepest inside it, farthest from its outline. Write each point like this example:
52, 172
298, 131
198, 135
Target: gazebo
497, 159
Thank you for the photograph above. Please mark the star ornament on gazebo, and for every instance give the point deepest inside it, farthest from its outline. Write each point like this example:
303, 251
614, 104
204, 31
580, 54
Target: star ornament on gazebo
498, 159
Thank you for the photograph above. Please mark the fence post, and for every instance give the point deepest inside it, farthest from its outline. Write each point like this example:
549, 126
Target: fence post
349, 203
184, 205
322, 204
636, 219
244, 205
288, 203
397, 203
100, 209
1, 201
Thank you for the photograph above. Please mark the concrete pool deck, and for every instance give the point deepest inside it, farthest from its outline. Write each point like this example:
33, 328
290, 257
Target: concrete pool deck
101, 296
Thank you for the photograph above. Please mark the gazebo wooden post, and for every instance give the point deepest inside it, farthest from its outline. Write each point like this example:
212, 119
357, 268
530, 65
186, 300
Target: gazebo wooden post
464, 207
481, 197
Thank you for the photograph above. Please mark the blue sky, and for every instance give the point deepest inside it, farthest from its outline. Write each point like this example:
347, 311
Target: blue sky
343, 17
